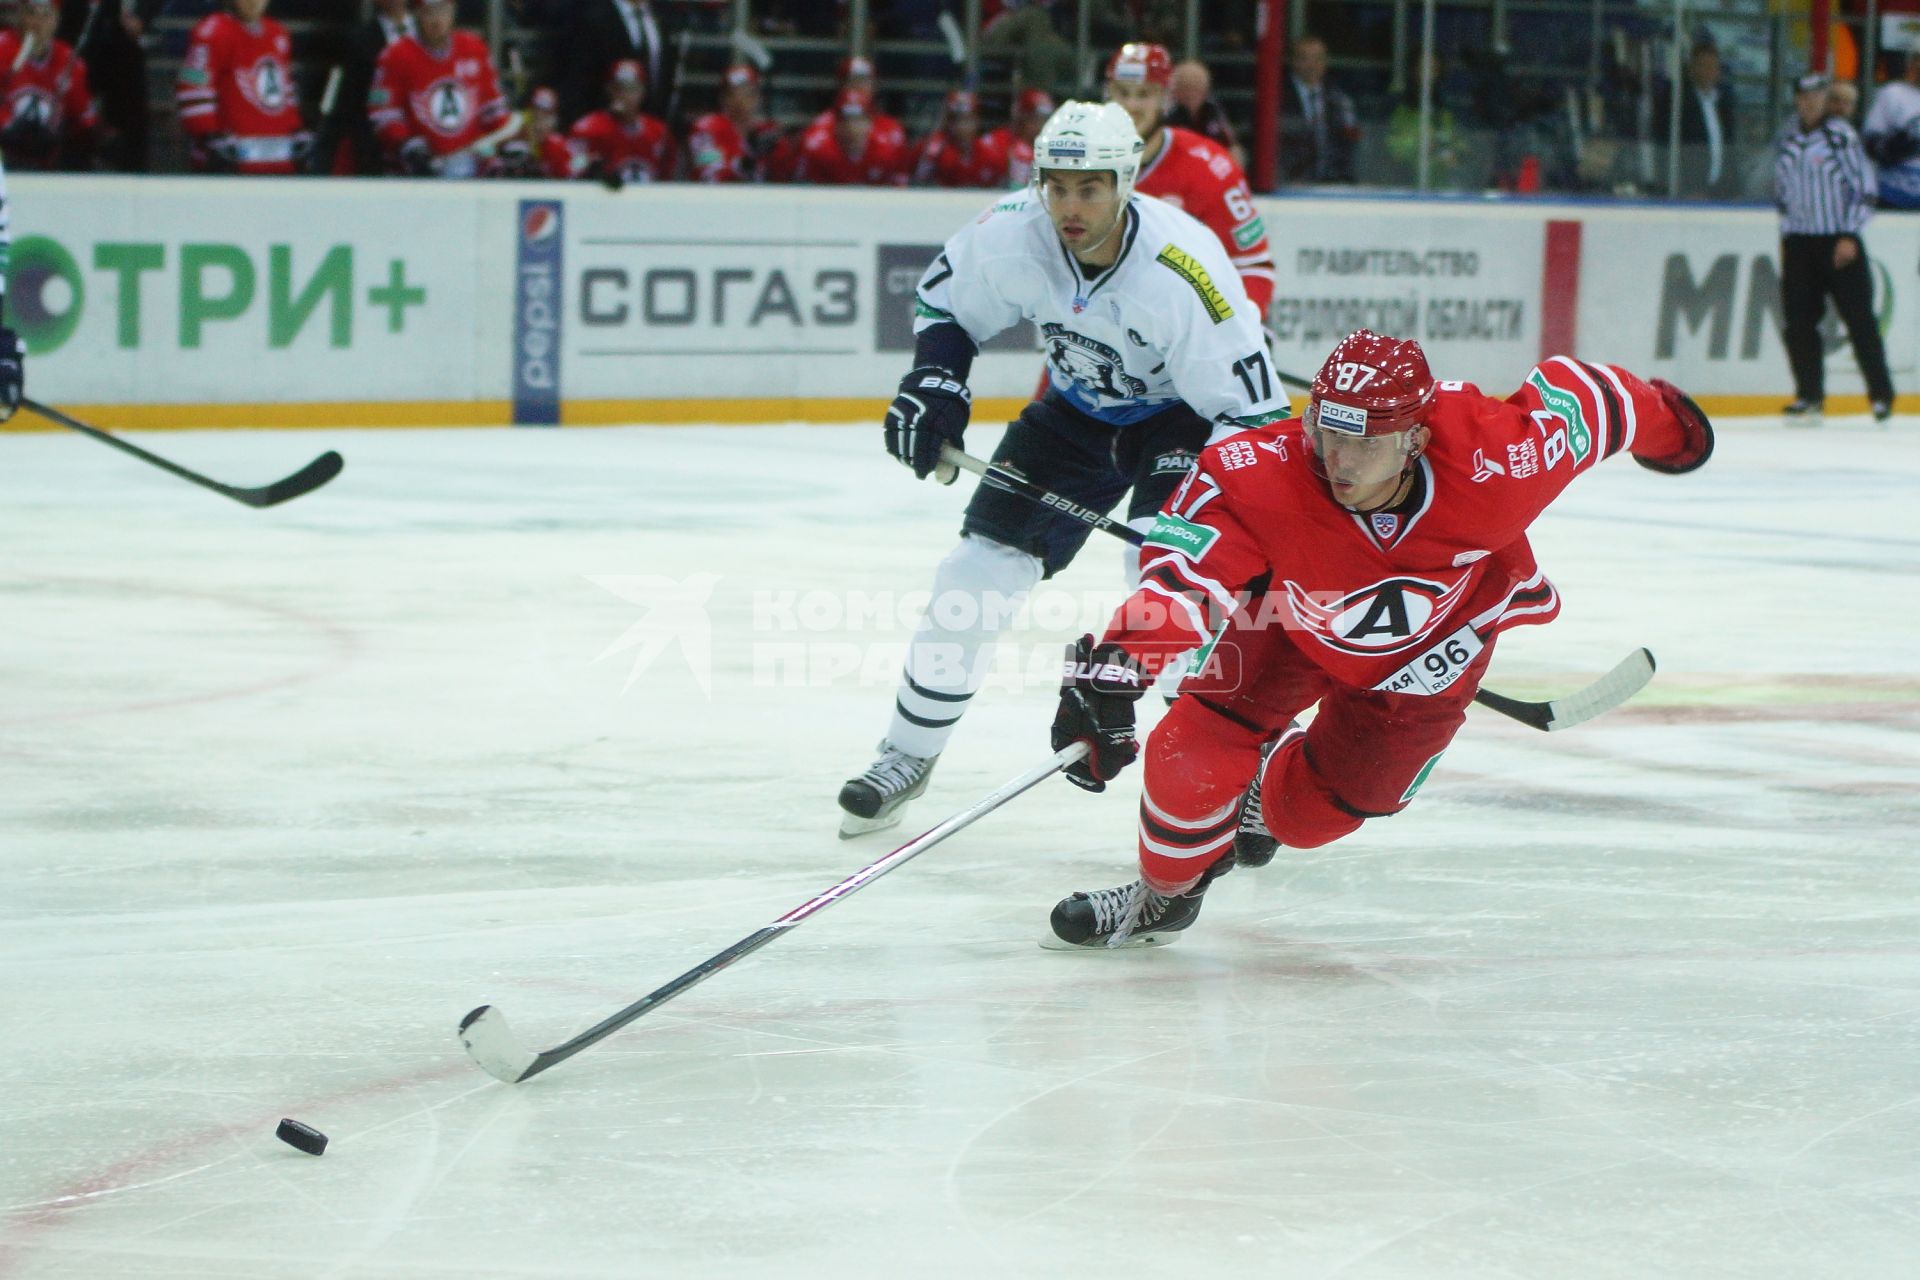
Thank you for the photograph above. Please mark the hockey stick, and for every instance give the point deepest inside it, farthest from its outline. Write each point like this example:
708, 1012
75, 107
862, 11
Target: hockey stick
491, 1043
1603, 695
305, 480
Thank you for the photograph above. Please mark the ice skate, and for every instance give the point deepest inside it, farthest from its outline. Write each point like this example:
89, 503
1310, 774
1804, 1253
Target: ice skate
1253, 843
877, 799
1129, 915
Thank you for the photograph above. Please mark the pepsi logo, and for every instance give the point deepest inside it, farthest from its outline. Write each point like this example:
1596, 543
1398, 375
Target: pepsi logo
539, 224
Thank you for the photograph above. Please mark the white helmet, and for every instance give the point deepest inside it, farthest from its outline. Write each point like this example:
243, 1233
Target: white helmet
1096, 136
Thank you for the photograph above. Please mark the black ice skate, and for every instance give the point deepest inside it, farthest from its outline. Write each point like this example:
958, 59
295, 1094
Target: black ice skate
1130, 915
1253, 844
877, 799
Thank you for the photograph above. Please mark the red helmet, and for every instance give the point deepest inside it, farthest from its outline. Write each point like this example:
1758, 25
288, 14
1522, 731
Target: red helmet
627, 71
1141, 64
544, 99
961, 102
739, 76
1371, 386
854, 68
1033, 102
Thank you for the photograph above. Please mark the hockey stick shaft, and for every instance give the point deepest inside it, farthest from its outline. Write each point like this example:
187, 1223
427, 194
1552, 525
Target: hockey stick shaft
1627, 678
308, 478
489, 1041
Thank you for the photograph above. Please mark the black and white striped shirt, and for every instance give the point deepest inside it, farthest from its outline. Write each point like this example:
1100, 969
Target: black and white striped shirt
1823, 181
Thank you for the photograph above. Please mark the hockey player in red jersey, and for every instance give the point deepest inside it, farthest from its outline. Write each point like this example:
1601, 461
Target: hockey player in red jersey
955, 154
539, 150
732, 144
1031, 107
1189, 171
1364, 559
857, 73
236, 94
851, 151
436, 97
44, 99
621, 143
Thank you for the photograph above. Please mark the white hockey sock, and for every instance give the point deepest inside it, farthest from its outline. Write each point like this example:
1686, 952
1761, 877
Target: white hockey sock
976, 591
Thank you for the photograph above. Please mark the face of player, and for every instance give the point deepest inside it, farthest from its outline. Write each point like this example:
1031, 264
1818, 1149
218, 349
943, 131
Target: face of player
436, 23
540, 125
1143, 102
853, 133
39, 21
246, 10
1811, 106
741, 102
1364, 472
963, 129
623, 98
1083, 208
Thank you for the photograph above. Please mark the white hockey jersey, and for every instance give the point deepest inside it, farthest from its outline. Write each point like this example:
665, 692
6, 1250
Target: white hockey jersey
1168, 321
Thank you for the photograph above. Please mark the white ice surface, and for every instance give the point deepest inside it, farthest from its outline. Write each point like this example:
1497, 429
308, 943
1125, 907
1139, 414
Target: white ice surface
284, 794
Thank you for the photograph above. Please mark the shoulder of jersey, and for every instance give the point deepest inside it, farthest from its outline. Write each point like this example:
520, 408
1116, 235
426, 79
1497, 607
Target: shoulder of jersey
1269, 450
211, 25
469, 44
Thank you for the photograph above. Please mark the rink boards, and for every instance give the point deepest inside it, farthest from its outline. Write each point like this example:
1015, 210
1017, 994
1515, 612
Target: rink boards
207, 302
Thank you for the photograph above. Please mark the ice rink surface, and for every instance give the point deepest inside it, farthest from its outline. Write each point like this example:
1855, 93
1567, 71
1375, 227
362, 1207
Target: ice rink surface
544, 718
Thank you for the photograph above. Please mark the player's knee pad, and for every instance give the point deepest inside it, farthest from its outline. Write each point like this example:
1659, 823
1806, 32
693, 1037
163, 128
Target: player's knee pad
1198, 760
980, 586
1298, 805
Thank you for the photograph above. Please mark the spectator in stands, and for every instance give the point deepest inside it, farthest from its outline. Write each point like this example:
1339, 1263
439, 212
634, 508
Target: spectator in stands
237, 99
539, 150
1195, 107
1318, 125
1709, 162
1041, 57
346, 144
1892, 135
738, 143
436, 104
1031, 108
603, 32
955, 154
621, 144
850, 151
1449, 108
46, 112
106, 35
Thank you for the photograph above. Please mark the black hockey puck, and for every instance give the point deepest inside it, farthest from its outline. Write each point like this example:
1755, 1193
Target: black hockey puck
305, 1137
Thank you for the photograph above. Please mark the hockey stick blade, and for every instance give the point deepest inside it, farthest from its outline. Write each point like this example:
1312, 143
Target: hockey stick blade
491, 1043
305, 480
1627, 678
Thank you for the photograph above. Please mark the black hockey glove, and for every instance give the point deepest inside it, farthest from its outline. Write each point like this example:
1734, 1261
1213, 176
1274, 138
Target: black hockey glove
931, 410
1097, 691
218, 154
417, 159
13, 372
300, 147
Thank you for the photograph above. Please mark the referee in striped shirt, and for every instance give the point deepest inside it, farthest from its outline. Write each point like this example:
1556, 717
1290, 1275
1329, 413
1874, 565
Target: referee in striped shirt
1824, 185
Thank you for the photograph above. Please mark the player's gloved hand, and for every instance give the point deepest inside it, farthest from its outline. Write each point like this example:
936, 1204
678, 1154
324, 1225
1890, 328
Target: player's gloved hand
931, 410
13, 372
300, 146
1695, 435
1098, 688
219, 153
417, 158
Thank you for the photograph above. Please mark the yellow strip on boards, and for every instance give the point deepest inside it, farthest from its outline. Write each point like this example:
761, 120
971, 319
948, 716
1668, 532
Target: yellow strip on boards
592, 413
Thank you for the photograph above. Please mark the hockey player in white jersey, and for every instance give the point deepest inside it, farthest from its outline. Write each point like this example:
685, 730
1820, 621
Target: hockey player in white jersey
1153, 350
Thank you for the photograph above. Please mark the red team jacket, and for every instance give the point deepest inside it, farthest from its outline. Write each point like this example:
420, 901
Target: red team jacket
1019, 155
451, 101
1193, 174
640, 151
237, 80
821, 160
942, 163
1400, 603
717, 153
50, 89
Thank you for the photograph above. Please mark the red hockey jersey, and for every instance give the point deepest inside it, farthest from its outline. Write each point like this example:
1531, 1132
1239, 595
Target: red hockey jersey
451, 100
944, 163
716, 151
1193, 174
883, 163
640, 150
237, 80
1399, 602
1019, 155
49, 90
886, 129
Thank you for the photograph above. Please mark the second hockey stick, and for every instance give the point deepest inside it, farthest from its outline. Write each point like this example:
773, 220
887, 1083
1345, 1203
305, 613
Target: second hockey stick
305, 480
491, 1042
1628, 677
